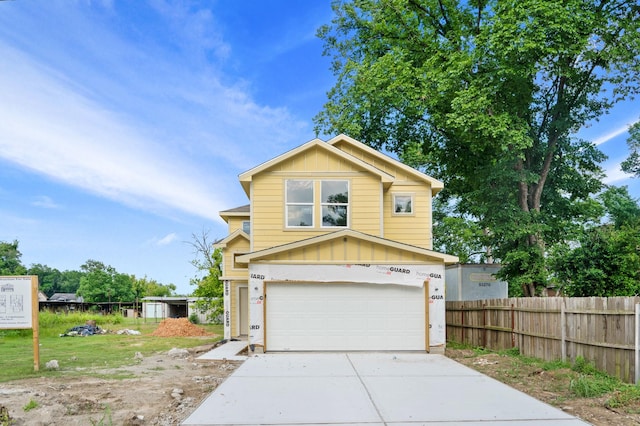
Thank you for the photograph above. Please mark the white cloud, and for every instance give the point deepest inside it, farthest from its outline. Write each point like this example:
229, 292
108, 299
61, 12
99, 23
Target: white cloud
613, 134
133, 118
167, 239
45, 202
614, 174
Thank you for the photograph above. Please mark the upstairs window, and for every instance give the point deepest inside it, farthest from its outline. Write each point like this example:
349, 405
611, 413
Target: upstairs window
303, 204
403, 204
299, 203
246, 226
335, 203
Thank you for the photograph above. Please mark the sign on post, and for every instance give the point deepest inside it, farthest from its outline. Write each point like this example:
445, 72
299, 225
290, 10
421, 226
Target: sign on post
19, 308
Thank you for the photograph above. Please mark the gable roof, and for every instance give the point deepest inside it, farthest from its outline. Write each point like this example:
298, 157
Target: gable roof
345, 234
242, 211
246, 177
238, 233
436, 185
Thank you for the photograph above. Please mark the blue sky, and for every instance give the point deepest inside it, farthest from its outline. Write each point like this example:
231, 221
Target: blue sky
124, 124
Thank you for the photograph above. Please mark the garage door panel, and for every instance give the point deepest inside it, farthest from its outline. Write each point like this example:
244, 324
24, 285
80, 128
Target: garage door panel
329, 316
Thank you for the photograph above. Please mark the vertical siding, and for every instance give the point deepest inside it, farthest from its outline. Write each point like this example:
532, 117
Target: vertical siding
599, 329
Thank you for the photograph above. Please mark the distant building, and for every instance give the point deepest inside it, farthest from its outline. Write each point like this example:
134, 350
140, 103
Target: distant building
154, 307
474, 282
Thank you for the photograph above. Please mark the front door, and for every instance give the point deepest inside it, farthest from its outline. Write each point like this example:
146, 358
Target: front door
243, 311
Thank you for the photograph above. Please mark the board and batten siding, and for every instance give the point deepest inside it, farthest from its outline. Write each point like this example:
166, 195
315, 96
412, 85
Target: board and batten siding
349, 251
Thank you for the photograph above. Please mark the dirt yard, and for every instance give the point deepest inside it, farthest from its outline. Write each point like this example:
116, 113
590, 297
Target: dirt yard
167, 389
551, 387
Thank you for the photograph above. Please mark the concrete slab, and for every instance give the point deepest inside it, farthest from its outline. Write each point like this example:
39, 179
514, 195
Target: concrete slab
304, 365
228, 351
368, 388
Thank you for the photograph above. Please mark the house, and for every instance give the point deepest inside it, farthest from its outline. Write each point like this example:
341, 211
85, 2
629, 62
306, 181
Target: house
333, 252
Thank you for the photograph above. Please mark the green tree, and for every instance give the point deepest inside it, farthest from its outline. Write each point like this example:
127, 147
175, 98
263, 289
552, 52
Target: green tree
10, 263
103, 283
605, 263
632, 164
209, 287
605, 258
144, 287
456, 234
49, 279
491, 94
621, 208
70, 281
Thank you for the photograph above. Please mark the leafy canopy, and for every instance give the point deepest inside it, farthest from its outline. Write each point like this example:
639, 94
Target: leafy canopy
488, 96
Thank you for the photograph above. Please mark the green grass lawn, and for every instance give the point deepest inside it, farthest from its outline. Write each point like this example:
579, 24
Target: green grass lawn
76, 355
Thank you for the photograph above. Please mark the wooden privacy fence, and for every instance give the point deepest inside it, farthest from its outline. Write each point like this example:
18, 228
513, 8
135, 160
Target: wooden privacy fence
599, 329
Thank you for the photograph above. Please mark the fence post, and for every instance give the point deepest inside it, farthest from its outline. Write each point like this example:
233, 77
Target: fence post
563, 331
484, 325
513, 328
637, 332
462, 320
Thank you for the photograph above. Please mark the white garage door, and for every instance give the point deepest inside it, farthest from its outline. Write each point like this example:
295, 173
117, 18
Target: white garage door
344, 317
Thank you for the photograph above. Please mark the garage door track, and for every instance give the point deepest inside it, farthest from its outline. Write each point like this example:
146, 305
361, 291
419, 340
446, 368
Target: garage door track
368, 389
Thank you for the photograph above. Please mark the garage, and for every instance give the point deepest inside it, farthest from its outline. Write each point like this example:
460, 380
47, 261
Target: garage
332, 316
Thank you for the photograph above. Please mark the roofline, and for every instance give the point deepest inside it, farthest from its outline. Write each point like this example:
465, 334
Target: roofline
436, 185
256, 255
235, 234
246, 177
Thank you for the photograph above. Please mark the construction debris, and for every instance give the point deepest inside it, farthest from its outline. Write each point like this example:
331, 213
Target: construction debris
179, 327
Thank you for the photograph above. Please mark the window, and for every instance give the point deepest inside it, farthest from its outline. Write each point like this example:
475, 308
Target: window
246, 226
403, 204
302, 203
335, 202
299, 203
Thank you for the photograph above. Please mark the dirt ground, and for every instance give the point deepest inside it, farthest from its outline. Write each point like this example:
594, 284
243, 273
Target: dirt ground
166, 390
551, 387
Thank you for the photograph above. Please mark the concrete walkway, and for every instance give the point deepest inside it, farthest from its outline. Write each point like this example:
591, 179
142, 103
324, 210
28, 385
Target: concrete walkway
229, 351
368, 389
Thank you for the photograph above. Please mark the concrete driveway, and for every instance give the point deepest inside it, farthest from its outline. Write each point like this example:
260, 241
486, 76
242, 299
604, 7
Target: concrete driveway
368, 389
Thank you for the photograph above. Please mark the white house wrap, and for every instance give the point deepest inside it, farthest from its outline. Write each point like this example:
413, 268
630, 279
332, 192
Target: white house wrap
403, 275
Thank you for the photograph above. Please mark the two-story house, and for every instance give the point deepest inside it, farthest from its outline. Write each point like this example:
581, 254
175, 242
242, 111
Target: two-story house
333, 252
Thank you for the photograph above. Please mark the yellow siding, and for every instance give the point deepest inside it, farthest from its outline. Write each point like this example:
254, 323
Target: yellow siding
238, 245
268, 199
235, 223
412, 229
360, 154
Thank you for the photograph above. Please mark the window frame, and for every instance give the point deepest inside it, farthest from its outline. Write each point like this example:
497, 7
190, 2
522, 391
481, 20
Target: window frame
248, 224
394, 204
324, 204
288, 204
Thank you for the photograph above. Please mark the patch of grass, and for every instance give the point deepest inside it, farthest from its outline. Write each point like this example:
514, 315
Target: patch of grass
5, 418
78, 354
30, 405
625, 396
568, 381
590, 386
